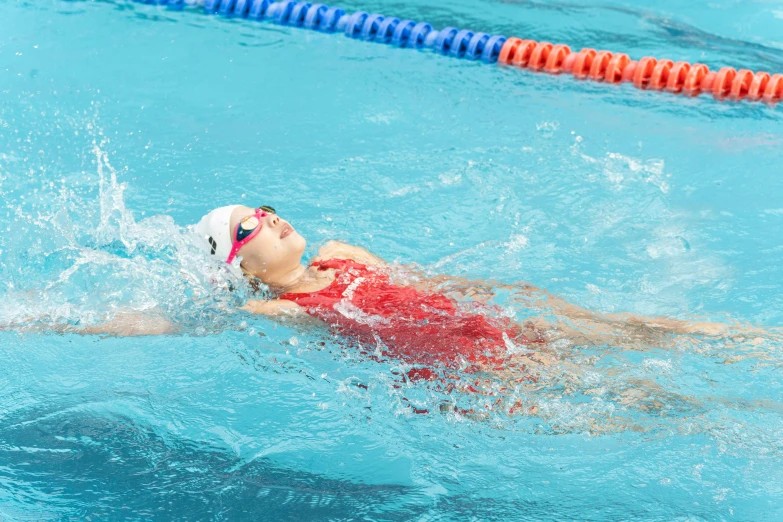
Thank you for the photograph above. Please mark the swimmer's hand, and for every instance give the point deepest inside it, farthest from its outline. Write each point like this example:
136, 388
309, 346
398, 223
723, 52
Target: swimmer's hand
274, 308
282, 310
338, 250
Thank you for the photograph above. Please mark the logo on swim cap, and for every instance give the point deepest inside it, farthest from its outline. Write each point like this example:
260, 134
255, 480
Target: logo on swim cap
215, 230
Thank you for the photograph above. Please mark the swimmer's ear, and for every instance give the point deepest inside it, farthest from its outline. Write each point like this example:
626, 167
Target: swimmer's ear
255, 283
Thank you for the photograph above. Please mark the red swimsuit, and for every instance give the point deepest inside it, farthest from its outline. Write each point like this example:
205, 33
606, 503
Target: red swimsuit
403, 323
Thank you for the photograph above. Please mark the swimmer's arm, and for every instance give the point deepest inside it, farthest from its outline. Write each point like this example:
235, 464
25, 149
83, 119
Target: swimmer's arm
338, 250
543, 299
130, 324
580, 324
532, 296
124, 324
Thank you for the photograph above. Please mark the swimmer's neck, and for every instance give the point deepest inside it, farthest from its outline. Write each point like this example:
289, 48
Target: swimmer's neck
297, 278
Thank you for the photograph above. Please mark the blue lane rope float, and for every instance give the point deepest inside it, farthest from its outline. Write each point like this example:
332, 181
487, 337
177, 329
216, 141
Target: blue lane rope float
371, 27
588, 64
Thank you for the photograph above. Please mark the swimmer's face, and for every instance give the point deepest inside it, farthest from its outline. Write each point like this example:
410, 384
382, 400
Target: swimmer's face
274, 251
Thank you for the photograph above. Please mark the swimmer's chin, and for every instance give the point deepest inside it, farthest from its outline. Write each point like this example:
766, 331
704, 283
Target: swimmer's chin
298, 241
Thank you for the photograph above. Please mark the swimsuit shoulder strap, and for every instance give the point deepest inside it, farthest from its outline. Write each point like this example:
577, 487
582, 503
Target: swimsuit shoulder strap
338, 264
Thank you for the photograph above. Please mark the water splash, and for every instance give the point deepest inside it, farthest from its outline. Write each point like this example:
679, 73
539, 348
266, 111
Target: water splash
87, 264
116, 223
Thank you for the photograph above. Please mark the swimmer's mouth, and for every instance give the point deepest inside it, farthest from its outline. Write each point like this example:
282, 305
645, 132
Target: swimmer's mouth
287, 229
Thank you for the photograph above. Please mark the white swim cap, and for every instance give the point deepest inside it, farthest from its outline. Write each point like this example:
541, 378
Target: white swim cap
215, 229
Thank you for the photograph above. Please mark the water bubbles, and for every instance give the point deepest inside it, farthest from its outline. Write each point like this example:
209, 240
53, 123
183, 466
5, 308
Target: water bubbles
450, 178
517, 242
658, 366
547, 129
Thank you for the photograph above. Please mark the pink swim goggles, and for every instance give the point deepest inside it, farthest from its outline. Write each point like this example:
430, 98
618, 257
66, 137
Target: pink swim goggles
247, 229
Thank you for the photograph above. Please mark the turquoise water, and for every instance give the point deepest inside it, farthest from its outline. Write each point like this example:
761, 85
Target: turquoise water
120, 124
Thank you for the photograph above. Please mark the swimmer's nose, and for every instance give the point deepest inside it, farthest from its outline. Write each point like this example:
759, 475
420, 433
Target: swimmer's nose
273, 220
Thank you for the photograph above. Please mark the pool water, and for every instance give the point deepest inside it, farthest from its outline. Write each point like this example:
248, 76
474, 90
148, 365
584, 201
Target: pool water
121, 124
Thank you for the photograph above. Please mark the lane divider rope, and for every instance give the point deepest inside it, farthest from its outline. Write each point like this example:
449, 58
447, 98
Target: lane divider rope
647, 73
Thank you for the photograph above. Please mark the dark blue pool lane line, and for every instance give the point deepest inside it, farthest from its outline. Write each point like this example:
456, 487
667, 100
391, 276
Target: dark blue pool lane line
359, 25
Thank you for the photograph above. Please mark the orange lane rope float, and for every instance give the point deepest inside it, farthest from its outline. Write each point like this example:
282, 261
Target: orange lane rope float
647, 73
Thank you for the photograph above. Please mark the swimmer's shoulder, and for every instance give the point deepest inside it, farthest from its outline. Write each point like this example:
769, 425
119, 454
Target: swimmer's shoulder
274, 307
339, 250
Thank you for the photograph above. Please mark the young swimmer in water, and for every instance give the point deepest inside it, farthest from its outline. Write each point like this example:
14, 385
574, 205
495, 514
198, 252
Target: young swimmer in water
436, 325
416, 319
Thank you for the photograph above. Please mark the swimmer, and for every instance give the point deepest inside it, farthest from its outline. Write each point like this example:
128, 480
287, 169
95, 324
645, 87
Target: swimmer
398, 313
415, 316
